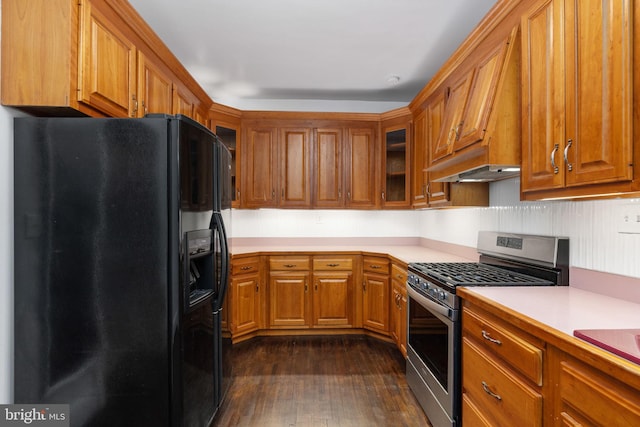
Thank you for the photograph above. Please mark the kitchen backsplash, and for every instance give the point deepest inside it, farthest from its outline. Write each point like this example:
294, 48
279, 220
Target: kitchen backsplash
592, 226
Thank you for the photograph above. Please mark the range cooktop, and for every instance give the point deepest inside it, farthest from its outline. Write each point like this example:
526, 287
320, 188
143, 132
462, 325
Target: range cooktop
474, 274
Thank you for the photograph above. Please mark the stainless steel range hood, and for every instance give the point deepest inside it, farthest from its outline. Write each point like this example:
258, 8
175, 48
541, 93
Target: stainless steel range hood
484, 173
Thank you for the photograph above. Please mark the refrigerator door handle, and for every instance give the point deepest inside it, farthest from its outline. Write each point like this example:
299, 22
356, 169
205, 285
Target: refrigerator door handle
224, 260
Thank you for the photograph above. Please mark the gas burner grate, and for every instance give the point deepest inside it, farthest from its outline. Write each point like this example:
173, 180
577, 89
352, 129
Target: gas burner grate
474, 274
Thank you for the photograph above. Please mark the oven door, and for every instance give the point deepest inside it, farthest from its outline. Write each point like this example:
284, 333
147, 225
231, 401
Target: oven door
434, 358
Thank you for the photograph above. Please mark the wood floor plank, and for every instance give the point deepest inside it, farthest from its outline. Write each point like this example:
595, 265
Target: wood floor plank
333, 381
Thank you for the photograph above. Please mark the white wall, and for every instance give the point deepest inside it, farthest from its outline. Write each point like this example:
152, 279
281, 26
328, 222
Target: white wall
592, 226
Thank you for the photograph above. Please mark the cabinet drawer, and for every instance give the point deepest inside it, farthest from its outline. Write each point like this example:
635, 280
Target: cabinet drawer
398, 273
590, 397
245, 265
500, 394
506, 343
337, 263
376, 265
296, 263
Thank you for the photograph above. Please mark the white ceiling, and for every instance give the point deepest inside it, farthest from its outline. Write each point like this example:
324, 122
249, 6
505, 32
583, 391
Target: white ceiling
326, 55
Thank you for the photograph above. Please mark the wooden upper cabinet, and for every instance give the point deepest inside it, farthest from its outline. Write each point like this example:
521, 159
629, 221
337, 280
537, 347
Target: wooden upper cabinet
396, 165
360, 169
577, 98
481, 98
107, 65
154, 88
419, 161
37, 62
295, 174
259, 165
328, 167
452, 120
183, 102
437, 192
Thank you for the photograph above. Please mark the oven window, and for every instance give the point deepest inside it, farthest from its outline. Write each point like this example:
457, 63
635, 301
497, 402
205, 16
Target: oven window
429, 338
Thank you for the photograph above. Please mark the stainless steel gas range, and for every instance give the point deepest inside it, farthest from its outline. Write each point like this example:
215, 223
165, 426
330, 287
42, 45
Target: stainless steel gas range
434, 342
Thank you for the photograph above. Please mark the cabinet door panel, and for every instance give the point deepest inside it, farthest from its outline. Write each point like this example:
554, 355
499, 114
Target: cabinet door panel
332, 299
419, 161
289, 300
106, 66
543, 97
246, 304
437, 192
259, 165
361, 188
376, 302
452, 120
295, 180
600, 106
329, 168
154, 88
481, 97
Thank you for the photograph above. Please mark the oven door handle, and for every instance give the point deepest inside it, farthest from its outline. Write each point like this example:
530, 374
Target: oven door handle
430, 305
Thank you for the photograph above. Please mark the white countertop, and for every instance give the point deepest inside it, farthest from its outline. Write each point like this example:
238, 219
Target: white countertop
566, 308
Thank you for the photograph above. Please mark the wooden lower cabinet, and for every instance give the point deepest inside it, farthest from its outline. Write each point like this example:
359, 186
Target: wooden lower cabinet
246, 296
398, 312
333, 293
376, 292
518, 373
289, 294
587, 396
314, 293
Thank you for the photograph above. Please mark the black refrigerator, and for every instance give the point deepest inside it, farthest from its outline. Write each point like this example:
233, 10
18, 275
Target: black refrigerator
121, 269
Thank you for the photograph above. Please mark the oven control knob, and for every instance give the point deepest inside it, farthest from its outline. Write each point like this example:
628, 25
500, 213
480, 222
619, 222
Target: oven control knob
442, 296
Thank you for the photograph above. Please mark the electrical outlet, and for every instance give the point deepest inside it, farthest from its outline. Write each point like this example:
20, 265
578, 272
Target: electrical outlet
629, 219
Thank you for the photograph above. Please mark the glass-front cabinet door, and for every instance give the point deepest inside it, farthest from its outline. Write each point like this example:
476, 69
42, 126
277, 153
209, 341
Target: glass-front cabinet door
396, 188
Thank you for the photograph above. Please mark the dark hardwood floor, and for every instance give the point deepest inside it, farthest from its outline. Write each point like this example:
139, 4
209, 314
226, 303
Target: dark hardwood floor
338, 381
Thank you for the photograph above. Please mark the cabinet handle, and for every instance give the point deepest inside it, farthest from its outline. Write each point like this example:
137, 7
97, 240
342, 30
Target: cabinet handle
364, 286
273, 194
374, 266
306, 288
290, 265
246, 267
566, 152
486, 389
144, 108
348, 195
282, 193
487, 337
135, 105
339, 193
316, 286
553, 158
427, 189
383, 195
333, 265
257, 287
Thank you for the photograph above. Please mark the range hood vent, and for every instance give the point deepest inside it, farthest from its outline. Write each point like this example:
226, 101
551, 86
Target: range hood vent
484, 174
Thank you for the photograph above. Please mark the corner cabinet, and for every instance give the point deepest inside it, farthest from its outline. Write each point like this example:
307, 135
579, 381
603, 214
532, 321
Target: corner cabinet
376, 293
577, 98
246, 296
